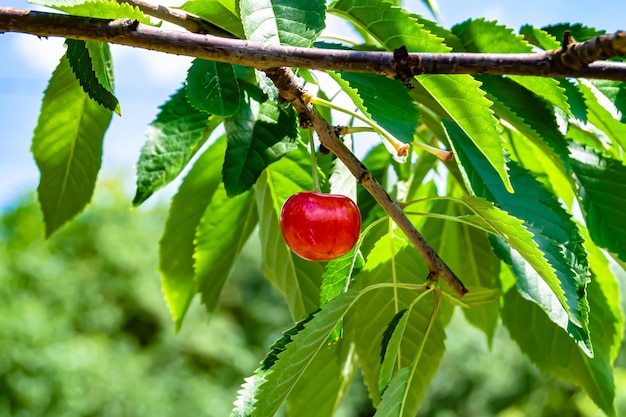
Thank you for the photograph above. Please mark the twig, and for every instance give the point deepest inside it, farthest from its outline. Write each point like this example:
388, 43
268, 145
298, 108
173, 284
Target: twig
263, 56
182, 19
291, 89
577, 55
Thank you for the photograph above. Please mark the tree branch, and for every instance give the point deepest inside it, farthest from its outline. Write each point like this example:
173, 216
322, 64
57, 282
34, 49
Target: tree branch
182, 19
292, 90
575, 60
131, 33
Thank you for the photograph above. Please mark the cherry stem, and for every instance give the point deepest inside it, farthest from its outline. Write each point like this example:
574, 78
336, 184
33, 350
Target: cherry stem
444, 155
316, 178
401, 148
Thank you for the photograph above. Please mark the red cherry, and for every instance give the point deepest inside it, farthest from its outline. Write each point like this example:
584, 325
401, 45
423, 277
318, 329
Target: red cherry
320, 227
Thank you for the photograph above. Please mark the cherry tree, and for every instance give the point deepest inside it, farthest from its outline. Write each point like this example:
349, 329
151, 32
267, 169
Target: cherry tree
496, 186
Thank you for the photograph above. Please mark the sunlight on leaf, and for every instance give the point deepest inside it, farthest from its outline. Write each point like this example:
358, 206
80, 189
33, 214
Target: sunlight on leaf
258, 135
225, 227
91, 63
264, 392
67, 147
176, 248
173, 138
603, 195
102, 9
553, 231
283, 22
222, 13
213, 87
366, 324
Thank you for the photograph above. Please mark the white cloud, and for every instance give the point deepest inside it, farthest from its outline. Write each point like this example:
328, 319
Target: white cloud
38, 54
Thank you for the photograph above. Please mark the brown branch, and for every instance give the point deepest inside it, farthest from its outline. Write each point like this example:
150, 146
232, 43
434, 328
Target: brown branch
292, 90
180, 18
263, 56
572, 60
577, 55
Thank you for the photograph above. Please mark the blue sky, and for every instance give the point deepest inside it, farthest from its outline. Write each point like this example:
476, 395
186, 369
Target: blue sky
145, 79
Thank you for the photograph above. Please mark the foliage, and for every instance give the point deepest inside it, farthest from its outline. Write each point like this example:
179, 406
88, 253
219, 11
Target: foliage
86, 294
85, 332
529, 213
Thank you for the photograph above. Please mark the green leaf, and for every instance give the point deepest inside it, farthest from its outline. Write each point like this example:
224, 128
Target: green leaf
283, 22
449, 39
298, 280
330, 373
101, 9
458, 96
554, 232
67, 146
222, 13
366, 323
539, 37
552, 172
527, 113
393, 398
225, 227
524, 255
392, 337
533, 288
377, 160
537, 157
575, 99
337, 272
465, 249
391, 26
263, 392
599, 115
484, 36
554, 352
176, 248
174, 137
213, 87
480, 35
476, 297
611, 315
547, 88
461, 100
517, 236
577, 31
258, 135
603, 196
91, 63
615, 91
385, 101
433, 7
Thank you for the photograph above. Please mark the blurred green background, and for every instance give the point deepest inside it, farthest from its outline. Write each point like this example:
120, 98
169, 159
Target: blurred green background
84, 331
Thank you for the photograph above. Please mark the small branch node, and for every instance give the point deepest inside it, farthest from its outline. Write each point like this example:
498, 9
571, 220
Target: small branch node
306, 96
567, 40
579, 55
365, 176
401, 64
305, 122
433, 276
